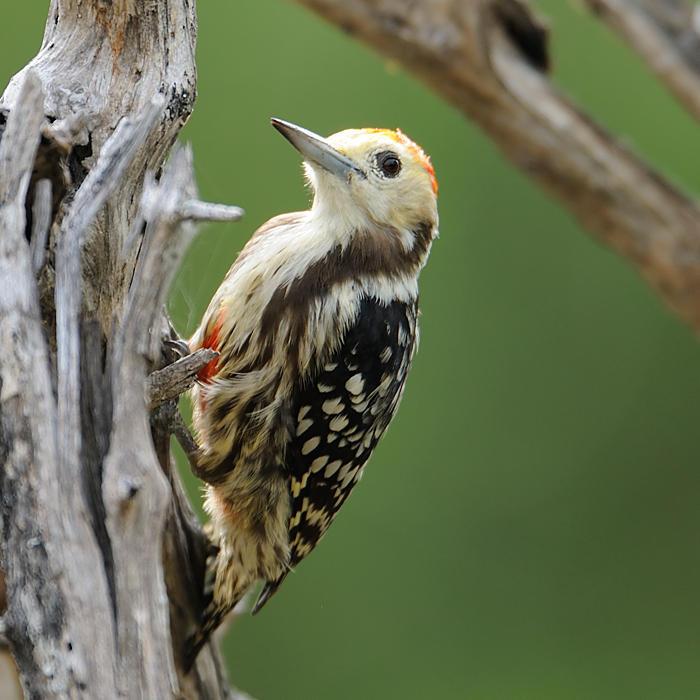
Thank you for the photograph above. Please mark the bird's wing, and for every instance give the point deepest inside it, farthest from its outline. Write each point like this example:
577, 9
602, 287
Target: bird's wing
339, 417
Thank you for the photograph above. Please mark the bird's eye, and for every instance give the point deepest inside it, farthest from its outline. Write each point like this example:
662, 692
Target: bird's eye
389, 164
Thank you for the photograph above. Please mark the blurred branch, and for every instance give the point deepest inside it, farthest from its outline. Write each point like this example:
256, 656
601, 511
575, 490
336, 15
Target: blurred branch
487, 57
666, 34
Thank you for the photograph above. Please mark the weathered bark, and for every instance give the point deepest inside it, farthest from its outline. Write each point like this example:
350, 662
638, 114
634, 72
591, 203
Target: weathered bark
168, 383
666, 34
488, 58
102, 557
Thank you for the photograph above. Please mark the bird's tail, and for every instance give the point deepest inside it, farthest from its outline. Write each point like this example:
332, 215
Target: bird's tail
213, 613
268, 590
212, 618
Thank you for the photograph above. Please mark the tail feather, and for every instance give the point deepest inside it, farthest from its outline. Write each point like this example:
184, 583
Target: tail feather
269, 589
215, 611
213, 615
212, 618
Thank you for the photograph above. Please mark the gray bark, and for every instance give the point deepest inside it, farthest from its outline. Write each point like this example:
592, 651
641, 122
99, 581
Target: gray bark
102, 556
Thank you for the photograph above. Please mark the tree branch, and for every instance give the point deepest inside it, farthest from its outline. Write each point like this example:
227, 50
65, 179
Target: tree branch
666, 34
104, 178
486, 58
134, 488
168, 383
168, 231
44, 553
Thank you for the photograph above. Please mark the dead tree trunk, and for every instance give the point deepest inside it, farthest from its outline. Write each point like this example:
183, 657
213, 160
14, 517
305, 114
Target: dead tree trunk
101, 554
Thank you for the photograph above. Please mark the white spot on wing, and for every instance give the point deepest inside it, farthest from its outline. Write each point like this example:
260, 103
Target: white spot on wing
303, 548
350, 476
297, 486
318, 463
343, 472
302, 413
316, 515
383, 387
332, 468
304, 425
310, 445
338, 423
355, 384
332, 406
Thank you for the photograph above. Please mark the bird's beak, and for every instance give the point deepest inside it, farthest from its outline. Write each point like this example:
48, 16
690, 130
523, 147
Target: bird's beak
317, 150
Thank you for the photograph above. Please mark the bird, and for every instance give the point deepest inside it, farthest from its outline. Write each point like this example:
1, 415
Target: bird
315, 325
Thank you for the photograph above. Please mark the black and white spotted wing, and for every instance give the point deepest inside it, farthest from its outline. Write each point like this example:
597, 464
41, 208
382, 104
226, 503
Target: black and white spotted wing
340, 417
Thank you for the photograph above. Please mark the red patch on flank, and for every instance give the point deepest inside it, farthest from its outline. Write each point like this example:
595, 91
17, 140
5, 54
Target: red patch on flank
211, 340
421, 156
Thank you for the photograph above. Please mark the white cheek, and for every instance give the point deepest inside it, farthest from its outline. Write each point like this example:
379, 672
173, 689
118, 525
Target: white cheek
339, 206
374, 197
386, 203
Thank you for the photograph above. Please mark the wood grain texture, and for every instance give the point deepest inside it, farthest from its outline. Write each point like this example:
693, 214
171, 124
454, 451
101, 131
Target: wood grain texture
102, 556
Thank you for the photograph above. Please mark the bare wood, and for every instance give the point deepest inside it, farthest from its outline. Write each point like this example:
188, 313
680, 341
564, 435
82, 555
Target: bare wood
17, 150
487, 58
105, 176
131, 488
42, 553
168, 383
196, 210
666, 34
99, 62
95, 524
136, 491
41, 221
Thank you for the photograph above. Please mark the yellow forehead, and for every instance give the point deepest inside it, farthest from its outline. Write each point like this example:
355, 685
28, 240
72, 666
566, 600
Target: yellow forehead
357, 142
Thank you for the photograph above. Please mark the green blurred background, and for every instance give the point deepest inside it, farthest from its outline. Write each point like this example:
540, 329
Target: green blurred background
529, 528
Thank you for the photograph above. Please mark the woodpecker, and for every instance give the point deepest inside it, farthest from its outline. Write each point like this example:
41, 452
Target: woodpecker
315, 324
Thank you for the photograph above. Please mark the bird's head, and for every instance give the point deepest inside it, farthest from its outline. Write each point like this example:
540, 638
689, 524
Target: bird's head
367, 177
